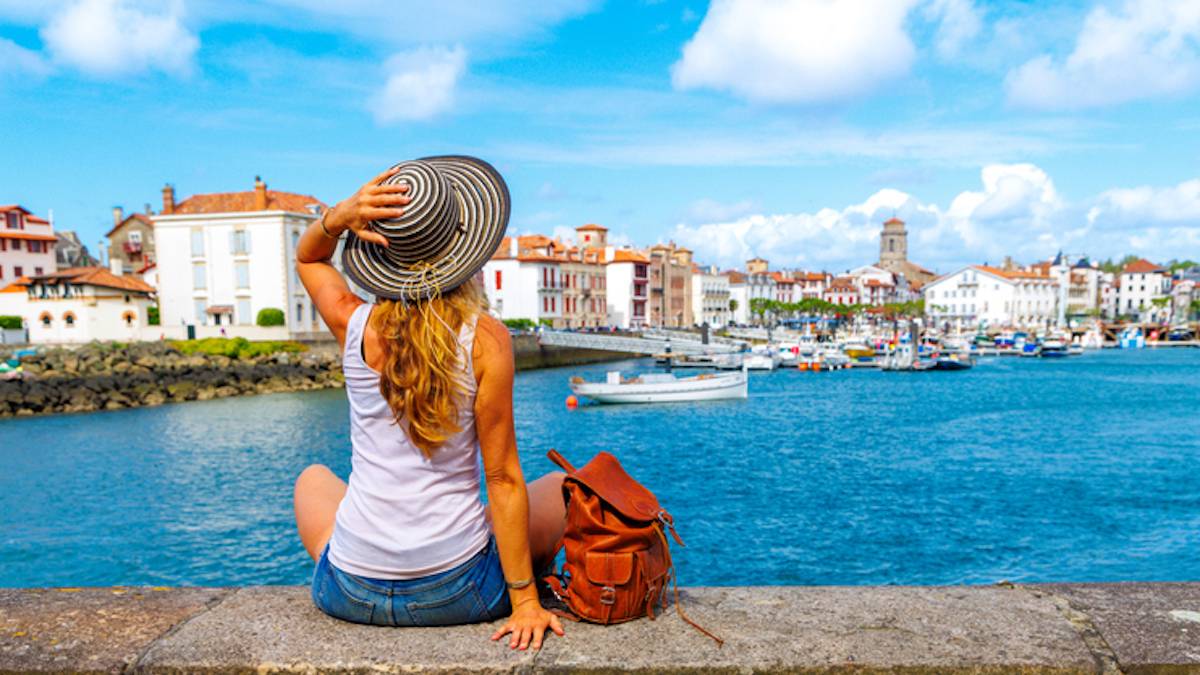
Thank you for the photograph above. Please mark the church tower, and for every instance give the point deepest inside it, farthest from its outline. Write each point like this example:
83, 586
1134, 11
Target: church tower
893, 242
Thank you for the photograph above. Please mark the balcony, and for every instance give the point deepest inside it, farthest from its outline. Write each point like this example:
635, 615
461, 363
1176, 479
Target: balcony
132, 247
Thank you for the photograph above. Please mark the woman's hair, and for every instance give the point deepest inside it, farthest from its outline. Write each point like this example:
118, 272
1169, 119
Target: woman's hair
422, 370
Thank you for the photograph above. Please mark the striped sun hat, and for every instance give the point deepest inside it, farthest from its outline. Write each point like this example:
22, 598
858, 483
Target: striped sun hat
454, 223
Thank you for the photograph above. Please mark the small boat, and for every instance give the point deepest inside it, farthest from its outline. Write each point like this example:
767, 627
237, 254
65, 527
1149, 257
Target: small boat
858, 350
1076, 349
1030, 348
834, 358
663, 388
760, 361
1053, 348
718, 361
952, 362
1131, 338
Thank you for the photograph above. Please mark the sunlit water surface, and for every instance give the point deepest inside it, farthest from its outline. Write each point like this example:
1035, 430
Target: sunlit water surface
1080, 469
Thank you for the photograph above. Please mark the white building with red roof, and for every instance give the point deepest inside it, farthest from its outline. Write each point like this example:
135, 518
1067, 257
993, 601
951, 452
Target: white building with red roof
524, 280
81, 304
224, 257
1139, 284
991, 297
26, 244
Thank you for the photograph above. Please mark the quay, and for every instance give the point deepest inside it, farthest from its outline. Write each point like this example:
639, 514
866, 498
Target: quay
1039, 628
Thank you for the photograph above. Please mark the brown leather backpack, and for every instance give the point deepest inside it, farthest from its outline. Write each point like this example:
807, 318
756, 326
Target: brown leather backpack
618, 562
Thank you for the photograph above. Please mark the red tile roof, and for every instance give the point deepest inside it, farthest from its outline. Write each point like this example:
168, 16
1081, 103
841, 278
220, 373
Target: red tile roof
892, 221
1140, 266
141, 217
592, 227
239, 202
98, 276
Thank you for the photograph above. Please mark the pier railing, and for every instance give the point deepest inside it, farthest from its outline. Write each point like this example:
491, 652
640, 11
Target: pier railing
631, 345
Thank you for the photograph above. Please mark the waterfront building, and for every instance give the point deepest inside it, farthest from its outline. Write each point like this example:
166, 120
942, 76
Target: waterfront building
710, 296
586, 294
131, 241
82, 304
842, 291
224, 257
1184, 292
985, 296
627, 275
1108, 297
785, 287
810, 284
877, 286
744, 288
26, 244
1139, 284
523, 279
70, 251
893, 254
670, 286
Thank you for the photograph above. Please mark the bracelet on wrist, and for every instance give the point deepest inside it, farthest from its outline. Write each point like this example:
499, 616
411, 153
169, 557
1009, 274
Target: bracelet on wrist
324, 229
518, 585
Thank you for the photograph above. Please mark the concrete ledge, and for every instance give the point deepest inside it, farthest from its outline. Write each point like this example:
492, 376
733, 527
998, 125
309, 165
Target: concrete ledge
1062, 628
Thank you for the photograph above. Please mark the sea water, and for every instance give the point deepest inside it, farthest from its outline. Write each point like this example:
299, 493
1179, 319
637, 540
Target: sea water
1081, 469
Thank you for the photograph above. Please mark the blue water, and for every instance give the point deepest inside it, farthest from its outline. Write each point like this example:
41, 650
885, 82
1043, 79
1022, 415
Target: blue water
1083, 469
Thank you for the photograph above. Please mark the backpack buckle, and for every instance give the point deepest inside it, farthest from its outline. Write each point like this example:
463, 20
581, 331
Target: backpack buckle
608, 595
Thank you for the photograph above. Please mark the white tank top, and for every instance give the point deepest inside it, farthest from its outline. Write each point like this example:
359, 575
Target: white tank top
406, 516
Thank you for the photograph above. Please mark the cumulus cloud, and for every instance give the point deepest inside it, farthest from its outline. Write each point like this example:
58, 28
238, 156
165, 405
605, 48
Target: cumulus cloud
15, 59
797, 51
1016, 212
420, 84
108, 38
1146, 48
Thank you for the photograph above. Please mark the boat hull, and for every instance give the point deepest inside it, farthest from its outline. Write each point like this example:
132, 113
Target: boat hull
690, 389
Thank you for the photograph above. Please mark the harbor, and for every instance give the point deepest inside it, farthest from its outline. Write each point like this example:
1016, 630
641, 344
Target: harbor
1019, 469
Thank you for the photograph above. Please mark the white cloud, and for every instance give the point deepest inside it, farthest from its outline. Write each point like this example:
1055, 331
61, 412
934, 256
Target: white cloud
959, 21
797, 51
1017, 212
1145, 49
420, 84
109, 38
707, 210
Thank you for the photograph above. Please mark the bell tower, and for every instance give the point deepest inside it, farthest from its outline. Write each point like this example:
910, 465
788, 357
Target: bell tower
893, 242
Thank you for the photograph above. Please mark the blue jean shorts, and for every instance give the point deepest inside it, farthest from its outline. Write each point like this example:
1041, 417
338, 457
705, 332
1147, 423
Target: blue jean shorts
472, 592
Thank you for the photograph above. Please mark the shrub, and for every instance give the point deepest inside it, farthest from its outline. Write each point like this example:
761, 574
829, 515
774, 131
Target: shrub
152, 317
520, 324
270, 316
9, 322
236, 348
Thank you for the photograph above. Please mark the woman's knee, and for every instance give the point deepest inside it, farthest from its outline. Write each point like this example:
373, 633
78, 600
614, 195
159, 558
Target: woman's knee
313, 474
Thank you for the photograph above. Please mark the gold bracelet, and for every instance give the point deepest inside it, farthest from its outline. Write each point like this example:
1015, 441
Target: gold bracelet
518, 585
321, 222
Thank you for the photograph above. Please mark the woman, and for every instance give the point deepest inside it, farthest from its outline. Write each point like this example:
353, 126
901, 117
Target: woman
429, 377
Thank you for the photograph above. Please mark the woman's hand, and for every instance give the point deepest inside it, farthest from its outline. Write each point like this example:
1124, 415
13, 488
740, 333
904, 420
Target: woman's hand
528, 622
373, 201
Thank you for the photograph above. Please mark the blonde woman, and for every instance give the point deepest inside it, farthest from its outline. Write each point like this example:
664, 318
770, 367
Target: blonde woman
429, 374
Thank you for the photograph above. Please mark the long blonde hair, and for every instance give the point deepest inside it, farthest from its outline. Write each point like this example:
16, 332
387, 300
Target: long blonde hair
422, 372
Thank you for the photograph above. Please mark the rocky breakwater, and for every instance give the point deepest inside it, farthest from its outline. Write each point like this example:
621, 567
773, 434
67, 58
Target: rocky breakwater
102, 376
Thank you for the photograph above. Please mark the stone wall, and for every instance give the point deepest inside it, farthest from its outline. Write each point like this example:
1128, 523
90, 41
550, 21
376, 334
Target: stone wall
1060, 628
110, 377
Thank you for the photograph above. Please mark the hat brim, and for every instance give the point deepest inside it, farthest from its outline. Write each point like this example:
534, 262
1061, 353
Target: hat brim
485, 207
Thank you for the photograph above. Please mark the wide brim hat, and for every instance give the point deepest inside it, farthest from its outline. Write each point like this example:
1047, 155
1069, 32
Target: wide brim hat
455, 221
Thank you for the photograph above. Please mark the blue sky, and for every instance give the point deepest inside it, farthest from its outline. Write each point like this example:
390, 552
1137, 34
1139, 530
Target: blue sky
782, 128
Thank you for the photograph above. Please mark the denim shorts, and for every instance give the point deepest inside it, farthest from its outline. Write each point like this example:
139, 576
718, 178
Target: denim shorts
472, 592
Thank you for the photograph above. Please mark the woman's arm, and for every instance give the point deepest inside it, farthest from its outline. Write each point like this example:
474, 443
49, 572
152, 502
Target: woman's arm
325, 285
494, 368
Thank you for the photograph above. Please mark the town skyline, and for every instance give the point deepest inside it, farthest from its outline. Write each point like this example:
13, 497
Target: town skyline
992, 128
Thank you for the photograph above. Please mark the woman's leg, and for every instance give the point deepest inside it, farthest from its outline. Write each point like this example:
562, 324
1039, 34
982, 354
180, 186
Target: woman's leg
318, 493
547, 518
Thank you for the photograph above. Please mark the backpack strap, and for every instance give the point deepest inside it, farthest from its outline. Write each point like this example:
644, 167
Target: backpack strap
560, 461
675, 584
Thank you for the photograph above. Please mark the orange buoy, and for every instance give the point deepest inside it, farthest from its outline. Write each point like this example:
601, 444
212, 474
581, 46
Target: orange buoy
816, 367
803, 365
572, 402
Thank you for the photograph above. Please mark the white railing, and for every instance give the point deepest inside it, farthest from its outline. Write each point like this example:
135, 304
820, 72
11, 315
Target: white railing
631, 345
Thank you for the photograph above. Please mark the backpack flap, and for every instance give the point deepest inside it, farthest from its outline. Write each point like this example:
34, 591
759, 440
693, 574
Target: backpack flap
605, 477
608, 569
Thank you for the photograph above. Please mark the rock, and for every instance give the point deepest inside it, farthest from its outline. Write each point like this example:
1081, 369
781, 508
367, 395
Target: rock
182, 390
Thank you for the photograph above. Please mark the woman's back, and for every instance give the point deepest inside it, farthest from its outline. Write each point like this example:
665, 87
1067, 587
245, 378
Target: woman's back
406, 515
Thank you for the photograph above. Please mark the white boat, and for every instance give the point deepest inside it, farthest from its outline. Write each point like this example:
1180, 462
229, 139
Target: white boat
663, 388
1131, 338
760, 361
832, 357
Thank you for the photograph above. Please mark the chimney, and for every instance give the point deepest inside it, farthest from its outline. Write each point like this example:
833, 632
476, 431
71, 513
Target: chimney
118, 215
260, 194
512, 247
116, 266
168, 199
146, 209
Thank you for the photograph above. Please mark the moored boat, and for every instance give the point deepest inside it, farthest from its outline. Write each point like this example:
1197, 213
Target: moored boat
663, 388
1053, 348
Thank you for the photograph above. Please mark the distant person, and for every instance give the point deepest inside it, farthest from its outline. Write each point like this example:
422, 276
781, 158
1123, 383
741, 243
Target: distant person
429, 375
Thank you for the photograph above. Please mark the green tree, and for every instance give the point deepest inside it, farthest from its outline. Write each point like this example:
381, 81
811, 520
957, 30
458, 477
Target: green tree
270, 316
152, 316
10, 322
733, 305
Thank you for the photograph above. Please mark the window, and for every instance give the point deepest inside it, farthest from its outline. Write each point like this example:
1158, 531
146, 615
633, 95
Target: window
499, 280
243, 312
239, 242
16, 244
197, 242
45, 319
37, 271
129, 317
69, 319
199, 276
35, 247
135, 237
18, 271
3, 244
312, 313
201, 309
299, 312
242, 271
12, 220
